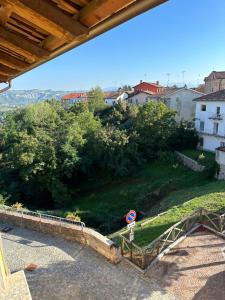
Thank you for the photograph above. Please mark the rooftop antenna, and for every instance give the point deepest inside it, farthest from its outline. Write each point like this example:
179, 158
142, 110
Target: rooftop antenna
168, 78
183, 72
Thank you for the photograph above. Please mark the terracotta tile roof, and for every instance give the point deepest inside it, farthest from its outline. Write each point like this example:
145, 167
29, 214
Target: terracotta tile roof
149, 83
217, 96
74, 96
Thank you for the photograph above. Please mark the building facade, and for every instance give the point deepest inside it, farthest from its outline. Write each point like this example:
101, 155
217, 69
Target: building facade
73, 98
210, 120
215, 82
153, 88
139, 98
181, 101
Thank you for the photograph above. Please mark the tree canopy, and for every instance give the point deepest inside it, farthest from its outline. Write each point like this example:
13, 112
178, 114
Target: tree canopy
46, 151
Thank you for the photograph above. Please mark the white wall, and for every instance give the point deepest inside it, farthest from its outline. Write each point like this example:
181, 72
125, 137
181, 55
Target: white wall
182, 102
111, 101
210, 143
210, 112
140, 98
211, 140
220, 157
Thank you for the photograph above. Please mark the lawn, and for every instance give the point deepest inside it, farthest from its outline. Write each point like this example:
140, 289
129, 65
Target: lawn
105, 203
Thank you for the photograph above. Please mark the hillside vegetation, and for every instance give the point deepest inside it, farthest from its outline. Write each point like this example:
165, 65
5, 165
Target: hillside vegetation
95, 163
157, 187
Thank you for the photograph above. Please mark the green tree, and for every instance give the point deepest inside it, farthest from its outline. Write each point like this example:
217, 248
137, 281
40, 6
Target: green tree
40, 147
155, 124
95, 98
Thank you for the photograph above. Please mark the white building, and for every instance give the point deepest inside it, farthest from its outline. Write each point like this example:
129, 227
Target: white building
178, 99
140, 98
210, 120
181, 100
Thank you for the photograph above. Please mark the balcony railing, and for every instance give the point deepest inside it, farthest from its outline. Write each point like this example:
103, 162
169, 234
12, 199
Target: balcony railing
216, 117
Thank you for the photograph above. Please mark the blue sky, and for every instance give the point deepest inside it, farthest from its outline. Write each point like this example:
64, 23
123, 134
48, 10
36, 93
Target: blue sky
180, 35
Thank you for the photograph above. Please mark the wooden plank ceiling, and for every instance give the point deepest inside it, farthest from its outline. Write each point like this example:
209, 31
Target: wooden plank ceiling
35, 31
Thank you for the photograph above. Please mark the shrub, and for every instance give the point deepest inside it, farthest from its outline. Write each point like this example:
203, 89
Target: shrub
72, 216
17, 206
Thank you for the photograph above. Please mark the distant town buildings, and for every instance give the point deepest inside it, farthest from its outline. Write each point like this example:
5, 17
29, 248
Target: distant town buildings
72, 98
215, 82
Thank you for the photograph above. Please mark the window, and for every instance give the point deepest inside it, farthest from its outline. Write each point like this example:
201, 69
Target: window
222, 144
201, 142
218, 110
203, 107
202, 125
215, 128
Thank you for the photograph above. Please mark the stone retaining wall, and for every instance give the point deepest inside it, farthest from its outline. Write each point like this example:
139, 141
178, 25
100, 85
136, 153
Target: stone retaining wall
190, 163
85, 236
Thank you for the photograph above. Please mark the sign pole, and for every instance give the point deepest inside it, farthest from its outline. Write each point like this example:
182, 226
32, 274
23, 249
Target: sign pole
131, 247
130, 219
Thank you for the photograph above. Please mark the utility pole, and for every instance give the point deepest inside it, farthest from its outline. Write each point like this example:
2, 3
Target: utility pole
168, 78
183, 72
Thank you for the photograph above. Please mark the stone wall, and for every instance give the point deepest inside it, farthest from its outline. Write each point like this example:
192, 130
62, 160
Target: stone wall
190, 163
85, 236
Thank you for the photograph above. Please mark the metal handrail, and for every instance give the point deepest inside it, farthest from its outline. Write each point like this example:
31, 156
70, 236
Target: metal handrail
42, 216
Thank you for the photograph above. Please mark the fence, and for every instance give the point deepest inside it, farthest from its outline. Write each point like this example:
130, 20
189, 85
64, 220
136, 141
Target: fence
22, 212
142, 257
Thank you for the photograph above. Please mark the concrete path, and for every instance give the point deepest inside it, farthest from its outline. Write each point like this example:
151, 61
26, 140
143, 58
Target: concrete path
68, 271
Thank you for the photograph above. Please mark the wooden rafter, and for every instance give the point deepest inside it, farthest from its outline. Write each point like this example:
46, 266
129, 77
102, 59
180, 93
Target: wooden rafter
98, 10
21, 45
67, 6
5, 13
48, 17
35, 31
12, 62
4, 78
7, 71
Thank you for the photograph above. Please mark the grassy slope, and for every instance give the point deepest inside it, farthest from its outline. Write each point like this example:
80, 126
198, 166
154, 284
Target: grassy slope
178, 205
107, 201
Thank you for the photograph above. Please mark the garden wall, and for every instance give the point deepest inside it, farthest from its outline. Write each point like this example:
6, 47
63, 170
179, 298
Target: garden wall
190, 163
85, 236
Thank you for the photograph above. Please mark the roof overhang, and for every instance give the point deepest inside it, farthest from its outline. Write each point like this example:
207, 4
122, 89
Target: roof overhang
34, 32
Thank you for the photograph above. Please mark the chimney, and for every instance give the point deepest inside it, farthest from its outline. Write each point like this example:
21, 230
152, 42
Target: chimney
141, 81
157, 82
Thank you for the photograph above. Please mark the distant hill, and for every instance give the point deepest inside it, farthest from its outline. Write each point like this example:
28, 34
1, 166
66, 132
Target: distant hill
14, 98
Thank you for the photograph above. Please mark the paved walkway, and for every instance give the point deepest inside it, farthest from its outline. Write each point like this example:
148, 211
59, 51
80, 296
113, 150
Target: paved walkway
69, 271
194, 269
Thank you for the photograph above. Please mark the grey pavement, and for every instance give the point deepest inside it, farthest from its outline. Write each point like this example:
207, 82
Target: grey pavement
67, 270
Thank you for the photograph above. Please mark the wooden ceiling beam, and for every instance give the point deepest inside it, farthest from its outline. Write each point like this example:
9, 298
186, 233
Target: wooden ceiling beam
21, 45
4, 78
51, 43
98, 10
12, 62
67, 6
5, 13
7, 71
48, 17
80, 2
